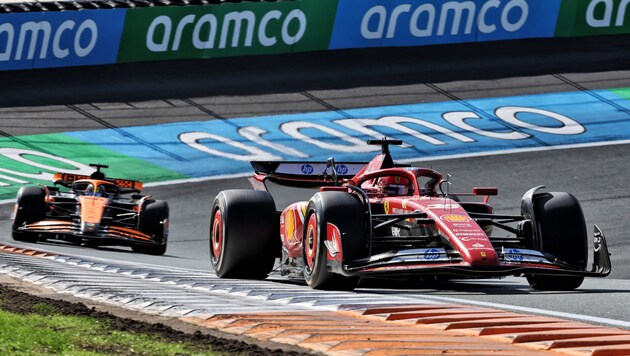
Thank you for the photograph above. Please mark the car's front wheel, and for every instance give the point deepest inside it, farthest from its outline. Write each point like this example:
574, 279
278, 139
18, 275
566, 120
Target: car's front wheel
30, 207
563, 235
154, 222
345, 212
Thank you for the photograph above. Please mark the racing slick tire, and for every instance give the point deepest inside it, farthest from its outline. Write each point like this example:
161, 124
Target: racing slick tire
30, 207
244, 234
563, 235
345, 212
154, 222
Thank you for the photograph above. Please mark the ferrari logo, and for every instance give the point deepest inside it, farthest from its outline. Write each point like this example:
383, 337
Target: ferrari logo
386, 207
483, 254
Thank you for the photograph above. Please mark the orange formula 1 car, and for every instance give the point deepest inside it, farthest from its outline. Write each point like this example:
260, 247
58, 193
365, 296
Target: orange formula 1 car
93, 212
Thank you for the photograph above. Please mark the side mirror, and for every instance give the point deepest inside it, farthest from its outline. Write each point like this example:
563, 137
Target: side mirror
486, 191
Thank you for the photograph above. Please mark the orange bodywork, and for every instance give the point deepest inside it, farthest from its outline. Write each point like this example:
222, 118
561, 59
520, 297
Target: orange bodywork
67, 227
92, 209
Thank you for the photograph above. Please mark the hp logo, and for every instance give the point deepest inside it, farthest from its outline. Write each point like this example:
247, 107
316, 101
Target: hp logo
307, 169
342, 169
431, 254
514, 255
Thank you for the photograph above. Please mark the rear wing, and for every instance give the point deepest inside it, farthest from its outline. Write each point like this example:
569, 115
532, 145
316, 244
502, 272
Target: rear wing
125, 185
305, 173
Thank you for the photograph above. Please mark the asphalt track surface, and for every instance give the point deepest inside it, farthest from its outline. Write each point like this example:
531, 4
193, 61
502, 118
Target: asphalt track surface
71, 99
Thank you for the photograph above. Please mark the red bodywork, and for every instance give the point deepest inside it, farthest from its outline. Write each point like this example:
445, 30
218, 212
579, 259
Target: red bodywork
426, 231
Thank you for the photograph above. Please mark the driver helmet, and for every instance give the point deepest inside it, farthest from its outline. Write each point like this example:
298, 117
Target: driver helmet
100, 191
395, 185
89, 190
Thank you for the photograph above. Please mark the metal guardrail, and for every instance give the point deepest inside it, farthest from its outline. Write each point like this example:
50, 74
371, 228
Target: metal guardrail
10, 6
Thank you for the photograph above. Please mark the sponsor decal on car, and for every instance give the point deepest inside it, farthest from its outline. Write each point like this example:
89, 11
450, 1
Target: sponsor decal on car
289, 225
455, 218
514, 255
341, 169
307, 169
431, 254
386, 206
466, 239
462, 225
443, 206
480, 246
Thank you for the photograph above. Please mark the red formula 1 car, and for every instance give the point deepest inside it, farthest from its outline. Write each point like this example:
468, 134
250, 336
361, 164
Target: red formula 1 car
383, 219
93, 212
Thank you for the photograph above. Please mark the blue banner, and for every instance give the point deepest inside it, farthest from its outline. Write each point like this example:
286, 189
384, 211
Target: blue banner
374, 23
63, 38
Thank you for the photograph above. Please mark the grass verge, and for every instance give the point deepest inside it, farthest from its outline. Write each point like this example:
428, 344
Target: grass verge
45, 331
32, 325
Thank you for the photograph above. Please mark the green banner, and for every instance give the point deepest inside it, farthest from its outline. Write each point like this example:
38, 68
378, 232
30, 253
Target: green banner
29, 160
231, 29
593, 17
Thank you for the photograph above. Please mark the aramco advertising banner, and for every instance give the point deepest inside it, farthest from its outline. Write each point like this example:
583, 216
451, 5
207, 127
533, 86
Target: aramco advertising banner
90, 37
233, 29
593, 17
54, 39
375, 23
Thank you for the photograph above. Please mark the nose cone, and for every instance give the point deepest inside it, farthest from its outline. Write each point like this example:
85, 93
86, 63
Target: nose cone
89, 228
92, 209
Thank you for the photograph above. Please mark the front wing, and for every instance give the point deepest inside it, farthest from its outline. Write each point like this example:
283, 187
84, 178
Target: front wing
70, 231
438, 261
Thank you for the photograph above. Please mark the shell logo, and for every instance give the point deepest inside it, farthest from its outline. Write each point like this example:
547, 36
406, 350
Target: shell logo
289, 225
455, 218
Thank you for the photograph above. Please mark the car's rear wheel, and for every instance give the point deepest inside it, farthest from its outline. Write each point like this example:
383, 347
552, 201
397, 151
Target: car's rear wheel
346, 213
563, 235
30, 207
244, 234
154, 222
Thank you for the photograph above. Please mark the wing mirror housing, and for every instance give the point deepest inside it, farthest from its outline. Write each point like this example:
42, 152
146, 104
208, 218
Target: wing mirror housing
487, 192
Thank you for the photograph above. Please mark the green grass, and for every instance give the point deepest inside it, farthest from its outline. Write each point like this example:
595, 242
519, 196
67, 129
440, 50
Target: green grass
45, 332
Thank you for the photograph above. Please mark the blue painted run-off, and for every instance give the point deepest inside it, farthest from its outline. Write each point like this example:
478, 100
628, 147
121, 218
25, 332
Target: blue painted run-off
451, 128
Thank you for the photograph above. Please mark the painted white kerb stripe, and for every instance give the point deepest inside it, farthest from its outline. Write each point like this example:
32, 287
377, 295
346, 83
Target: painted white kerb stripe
545, 312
